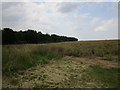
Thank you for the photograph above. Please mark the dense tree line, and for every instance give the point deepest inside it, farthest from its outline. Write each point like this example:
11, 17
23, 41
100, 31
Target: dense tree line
31, 36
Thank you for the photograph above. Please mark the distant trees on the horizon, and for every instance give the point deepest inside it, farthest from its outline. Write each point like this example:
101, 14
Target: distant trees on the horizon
31, 36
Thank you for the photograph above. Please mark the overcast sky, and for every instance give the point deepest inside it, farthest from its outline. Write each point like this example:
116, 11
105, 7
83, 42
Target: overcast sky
83, 20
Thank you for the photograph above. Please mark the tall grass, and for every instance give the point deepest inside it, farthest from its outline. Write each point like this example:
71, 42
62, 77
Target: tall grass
20, 57
83, 49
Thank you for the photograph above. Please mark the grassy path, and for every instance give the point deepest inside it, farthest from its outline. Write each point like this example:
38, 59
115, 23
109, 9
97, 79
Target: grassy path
70, 72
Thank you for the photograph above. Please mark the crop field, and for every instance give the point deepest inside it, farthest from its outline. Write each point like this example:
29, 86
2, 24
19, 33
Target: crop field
78, 64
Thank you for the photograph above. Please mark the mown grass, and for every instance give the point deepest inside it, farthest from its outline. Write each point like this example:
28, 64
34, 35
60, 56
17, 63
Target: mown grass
108, 77
96, 76
21, 57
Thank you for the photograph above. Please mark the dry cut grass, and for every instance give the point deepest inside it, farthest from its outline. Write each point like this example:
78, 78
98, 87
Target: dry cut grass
70, 72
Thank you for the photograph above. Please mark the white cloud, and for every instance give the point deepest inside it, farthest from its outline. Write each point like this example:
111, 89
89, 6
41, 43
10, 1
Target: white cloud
66, 7
27, 15
95, 20
0, 15
59, 1
111, 24
114, 8
54, 18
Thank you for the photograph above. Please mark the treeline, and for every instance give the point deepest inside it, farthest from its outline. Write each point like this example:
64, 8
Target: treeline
31, 36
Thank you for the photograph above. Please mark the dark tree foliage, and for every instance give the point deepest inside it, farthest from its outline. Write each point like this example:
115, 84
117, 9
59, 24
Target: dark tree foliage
8, 36
31, 36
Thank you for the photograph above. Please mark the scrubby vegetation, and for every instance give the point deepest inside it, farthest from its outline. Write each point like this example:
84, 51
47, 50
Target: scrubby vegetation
17, 58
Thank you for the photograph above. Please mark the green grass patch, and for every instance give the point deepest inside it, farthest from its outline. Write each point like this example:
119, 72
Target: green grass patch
15, 59
107, 77
46, 53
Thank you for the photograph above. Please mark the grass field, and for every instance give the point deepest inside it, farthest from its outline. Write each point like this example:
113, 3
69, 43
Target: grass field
82, 64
